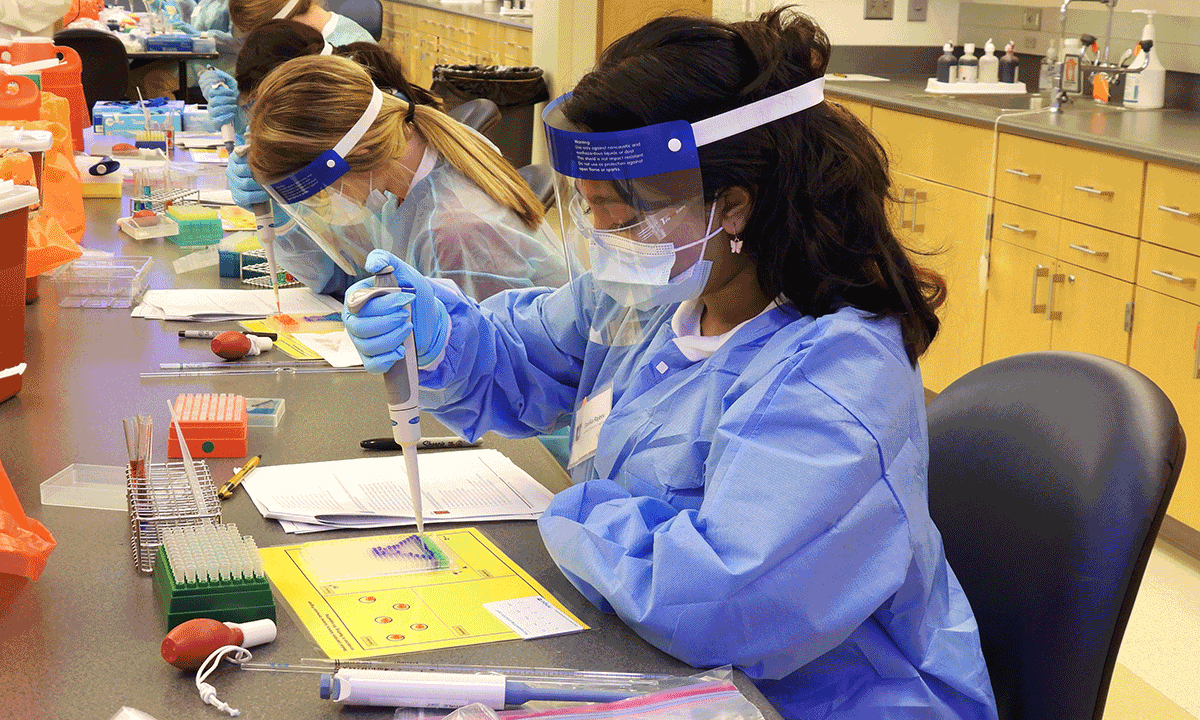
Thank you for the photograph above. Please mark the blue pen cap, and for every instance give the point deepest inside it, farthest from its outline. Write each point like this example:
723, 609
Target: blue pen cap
329, 686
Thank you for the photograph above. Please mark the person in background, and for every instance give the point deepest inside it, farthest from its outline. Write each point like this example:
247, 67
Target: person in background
410, 179
231, 20
749, 444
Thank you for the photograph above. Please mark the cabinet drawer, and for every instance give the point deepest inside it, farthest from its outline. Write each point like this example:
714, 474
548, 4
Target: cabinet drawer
1027, 228
1169, 272
1029, 173
1103, 190
946, 152
1105, 252
1172, 213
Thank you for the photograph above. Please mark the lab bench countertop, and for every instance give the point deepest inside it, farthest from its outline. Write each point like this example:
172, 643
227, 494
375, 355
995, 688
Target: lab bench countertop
1165, 136
487, 10
83, 640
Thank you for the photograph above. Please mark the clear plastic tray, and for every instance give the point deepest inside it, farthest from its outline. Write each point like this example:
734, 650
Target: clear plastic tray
146, 228
264, 412
102, 282
99, 487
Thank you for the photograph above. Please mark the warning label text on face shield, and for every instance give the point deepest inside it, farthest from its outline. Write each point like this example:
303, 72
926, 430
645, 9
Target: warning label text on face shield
592, 158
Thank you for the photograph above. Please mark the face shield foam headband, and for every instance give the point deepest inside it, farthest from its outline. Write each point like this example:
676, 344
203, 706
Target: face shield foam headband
330, 165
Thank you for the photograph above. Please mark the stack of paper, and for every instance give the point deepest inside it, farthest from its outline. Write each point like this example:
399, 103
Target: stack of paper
214, 305
463, 485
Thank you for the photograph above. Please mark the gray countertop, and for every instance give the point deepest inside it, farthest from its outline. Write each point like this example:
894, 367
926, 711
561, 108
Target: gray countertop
83, 640
1165, 136
487, 10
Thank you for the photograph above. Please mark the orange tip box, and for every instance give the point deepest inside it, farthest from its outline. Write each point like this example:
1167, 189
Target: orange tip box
214, 425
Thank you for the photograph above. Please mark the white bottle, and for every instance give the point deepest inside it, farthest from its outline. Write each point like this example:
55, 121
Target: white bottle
968, 65
1046, 72
1144, 90
1071, 53
989, 64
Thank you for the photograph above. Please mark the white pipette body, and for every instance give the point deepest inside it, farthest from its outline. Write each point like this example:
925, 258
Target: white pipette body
265, 220
401, 383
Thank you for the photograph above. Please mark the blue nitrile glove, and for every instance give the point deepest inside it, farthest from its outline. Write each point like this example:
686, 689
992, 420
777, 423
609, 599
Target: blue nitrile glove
245, 189
221, 92
181, 26
379, 328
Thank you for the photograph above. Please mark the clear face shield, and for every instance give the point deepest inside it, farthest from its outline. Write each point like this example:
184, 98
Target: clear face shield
632, 211
332, 208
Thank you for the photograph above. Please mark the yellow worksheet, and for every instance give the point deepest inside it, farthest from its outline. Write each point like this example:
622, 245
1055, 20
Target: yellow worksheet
354, 619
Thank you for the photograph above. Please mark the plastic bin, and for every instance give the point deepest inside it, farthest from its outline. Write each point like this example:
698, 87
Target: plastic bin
15, 201
515, 90
102, 282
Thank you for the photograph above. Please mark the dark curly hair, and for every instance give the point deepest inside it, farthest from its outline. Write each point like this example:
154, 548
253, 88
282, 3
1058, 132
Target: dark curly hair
819, 230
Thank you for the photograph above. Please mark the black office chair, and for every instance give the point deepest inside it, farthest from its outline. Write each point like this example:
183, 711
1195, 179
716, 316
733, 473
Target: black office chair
479, 114
1049, 474
541, 180
368, 13
105, 73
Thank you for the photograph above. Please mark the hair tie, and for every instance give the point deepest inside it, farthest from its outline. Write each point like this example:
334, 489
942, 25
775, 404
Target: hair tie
410, 116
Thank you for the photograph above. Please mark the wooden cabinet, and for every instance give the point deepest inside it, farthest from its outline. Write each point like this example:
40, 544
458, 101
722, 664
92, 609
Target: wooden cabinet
945, 152
945, 228
1164, 347
1029, 173
1103, 190
861, 110
424, 37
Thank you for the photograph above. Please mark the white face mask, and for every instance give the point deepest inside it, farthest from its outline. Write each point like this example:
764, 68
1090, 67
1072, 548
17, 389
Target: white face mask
638, 274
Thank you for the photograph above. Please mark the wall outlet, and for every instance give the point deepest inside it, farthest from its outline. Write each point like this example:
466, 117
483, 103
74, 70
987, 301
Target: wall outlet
918, 10
878, 10
1031, 19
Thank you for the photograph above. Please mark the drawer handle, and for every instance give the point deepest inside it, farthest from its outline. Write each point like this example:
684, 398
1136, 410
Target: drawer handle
1190, 282
905, 196
919, 197
1102, 254
1040, 271
1175, 211
1019, 229
1051, 313
1022, 173
1094, 191
1196, 360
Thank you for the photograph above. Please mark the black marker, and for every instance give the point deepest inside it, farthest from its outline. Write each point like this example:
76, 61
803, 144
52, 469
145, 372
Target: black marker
210, 334
434, 443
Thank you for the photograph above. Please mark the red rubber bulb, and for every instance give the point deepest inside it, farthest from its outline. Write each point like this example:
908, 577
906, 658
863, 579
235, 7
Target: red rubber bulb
189, 643
231, 345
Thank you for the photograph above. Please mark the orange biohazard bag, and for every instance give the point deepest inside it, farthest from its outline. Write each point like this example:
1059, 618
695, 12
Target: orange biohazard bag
49, 245
25, 543
83, 9
62, 190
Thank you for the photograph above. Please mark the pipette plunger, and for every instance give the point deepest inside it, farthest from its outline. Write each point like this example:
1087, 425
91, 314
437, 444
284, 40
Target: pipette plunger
401, 383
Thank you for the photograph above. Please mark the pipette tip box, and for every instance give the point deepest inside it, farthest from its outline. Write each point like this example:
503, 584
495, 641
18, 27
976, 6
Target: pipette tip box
197, 225
211, 572
215, 425
264, 412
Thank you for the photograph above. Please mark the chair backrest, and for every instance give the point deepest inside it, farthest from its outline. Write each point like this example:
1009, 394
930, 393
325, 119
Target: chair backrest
540, 179
368, 13
479, 114
105, 74
1049, 475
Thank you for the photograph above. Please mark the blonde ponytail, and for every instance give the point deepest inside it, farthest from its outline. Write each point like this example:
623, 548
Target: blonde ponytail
304, 106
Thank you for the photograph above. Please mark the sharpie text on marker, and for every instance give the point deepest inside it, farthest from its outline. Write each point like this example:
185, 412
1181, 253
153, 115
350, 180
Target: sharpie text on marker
432, 443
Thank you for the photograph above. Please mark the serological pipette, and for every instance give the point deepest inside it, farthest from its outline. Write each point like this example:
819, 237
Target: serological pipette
401, 383
398, 688
265, 220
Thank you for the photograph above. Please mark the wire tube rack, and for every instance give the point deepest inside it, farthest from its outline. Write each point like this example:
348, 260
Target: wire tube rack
256, 271
167, 498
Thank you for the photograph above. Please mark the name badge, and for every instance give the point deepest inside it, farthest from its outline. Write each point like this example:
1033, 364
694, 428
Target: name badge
589, 418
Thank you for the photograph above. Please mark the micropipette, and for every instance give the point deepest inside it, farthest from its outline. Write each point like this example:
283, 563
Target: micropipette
398, 688
265, 219
227, 134
401, 384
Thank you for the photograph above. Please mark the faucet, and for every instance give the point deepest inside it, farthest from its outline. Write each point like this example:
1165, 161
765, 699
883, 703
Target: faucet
1060, 95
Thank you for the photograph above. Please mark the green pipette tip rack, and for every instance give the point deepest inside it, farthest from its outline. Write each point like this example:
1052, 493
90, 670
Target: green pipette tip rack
238, 596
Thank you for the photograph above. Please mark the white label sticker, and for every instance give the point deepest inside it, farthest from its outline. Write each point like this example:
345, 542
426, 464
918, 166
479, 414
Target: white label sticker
589, 418
532, 617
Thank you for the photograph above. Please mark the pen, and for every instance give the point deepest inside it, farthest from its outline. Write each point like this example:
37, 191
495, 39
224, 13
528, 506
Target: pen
210, 334
227, 489
433, 443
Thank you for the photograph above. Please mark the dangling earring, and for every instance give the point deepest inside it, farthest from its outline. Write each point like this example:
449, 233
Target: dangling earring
735, 245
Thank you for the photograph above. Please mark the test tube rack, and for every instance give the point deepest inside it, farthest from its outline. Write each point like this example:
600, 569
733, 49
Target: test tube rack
160, 200
163, 500
198, 225
215, 425
212, 572
257, 272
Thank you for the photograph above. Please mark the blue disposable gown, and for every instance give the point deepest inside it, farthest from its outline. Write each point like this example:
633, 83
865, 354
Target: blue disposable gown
763, 507
447, 227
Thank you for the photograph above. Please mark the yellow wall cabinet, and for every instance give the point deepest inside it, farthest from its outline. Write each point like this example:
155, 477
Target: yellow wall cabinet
424, 37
